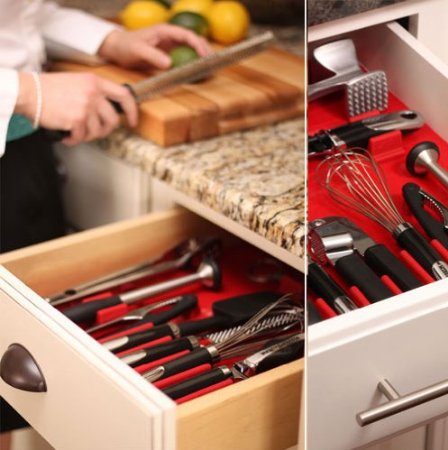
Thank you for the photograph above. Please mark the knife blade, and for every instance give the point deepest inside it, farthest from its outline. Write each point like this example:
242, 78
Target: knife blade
358, 134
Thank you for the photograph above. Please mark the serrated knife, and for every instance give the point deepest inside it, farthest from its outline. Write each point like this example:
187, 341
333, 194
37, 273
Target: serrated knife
188, 73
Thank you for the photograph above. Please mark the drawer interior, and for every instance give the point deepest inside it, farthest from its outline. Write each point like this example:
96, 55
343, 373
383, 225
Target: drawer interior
274, 396
389, 151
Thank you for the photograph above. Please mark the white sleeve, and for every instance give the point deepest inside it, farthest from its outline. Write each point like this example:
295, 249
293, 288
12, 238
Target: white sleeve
73, 29
9, 90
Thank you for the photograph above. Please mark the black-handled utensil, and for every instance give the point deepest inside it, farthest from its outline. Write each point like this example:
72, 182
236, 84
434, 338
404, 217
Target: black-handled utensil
336, 248
178, 305
358, 134
208, 274
226, 313
417, 199
275, 354
320, 282
214, 353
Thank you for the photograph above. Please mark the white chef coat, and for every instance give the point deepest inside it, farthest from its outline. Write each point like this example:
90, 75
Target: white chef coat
26, 28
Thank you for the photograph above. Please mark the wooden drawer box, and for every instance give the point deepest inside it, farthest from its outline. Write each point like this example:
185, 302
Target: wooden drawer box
94, 401
400, 339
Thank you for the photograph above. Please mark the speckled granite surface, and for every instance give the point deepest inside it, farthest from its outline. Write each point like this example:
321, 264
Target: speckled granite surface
254, 177
320, 11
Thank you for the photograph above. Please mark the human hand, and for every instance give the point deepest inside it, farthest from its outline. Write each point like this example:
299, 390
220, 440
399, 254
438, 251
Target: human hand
76, 102
148, 47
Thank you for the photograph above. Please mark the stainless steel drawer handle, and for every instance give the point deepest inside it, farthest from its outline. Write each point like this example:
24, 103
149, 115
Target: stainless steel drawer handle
19, 369
398, 403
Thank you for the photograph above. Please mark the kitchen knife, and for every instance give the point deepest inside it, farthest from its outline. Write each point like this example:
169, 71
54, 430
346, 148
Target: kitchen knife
358, 134
188, 73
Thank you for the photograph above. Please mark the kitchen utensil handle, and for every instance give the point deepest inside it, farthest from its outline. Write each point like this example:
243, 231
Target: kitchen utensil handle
197, 383
283, 356
357, 273
86, 312
161, 350
412, 241
433, 227
193, 359
186, 303
139, 338
322, 284
201, 325
398, 403
384, 262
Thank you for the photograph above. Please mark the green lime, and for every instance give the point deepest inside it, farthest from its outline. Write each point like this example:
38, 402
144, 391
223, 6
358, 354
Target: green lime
182, 55
192, 21
164, 3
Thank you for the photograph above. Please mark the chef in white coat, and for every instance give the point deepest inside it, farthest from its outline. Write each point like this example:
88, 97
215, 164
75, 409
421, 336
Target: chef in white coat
30, 205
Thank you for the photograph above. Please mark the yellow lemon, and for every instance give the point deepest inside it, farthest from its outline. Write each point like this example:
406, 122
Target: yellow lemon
143, 13
196, 6
229, 21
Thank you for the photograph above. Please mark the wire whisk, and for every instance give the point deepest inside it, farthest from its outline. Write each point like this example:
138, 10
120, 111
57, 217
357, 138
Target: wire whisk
354, 179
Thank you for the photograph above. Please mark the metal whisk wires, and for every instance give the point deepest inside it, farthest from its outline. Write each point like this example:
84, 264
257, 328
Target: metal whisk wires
353, 178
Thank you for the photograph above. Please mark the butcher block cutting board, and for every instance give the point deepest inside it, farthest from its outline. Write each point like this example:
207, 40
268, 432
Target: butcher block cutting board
263, 89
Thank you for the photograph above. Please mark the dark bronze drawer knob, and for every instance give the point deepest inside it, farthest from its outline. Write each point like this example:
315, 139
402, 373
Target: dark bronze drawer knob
19, 369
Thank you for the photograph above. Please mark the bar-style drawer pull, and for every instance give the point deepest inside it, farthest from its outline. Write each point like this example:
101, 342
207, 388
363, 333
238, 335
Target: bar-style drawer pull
20, 370
398, 403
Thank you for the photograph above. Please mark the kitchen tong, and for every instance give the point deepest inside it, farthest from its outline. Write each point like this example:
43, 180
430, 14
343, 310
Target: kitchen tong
419, 201
183, 255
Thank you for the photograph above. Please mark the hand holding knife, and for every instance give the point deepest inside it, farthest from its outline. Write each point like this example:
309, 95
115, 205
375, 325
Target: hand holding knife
194, 71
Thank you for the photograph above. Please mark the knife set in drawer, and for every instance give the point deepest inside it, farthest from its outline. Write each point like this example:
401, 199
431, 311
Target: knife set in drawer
195, 319
377, 189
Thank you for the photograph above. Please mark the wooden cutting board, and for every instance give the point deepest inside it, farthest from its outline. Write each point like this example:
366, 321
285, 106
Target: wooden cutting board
263, 89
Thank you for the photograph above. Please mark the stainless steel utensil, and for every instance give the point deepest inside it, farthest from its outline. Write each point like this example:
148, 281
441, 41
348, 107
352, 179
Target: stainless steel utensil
365, 91
186, 251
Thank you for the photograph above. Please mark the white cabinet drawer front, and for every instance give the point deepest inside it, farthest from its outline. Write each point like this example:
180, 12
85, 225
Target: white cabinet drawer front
402, 339
87, 404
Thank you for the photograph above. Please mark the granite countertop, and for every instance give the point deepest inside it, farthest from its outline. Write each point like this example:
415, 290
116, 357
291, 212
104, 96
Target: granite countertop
320, 11
254, 177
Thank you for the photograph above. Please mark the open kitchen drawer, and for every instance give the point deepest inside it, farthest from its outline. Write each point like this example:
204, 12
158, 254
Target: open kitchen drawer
93, 400
401, 339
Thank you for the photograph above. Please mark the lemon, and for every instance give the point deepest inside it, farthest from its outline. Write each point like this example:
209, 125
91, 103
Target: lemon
182, 55
191, 21
197, 6
143, 13
229, 21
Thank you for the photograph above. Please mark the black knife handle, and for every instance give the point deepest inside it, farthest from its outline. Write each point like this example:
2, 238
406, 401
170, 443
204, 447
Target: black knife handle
143, 337
413, 242
86, 312
162, 350
193, 359
197, 383
59, 135
384, 262
357, 273
433, 227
